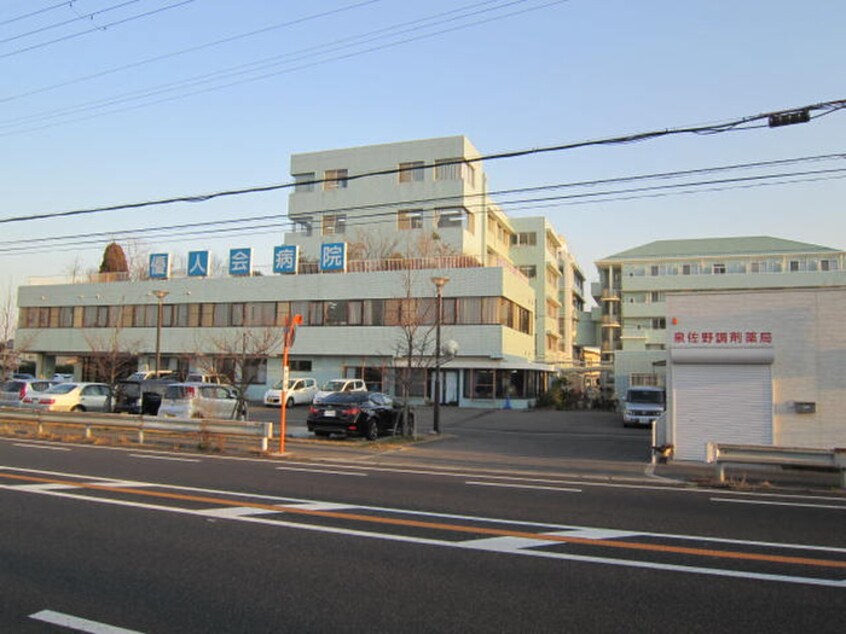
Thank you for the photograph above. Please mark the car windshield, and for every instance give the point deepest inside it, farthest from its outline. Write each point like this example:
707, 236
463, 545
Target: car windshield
333, 386
346, 397
62, 388
646, 396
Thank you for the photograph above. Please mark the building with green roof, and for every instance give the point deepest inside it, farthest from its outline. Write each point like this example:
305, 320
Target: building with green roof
633, 286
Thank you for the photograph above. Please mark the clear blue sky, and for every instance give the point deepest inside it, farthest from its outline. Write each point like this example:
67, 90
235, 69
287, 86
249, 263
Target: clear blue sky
508, 75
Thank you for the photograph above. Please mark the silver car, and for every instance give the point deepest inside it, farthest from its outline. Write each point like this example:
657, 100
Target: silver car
12, 393
72, 397
202, 400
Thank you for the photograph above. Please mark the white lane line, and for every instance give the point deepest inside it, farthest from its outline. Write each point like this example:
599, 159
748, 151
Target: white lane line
36, 488
321, 506
597, 533
232, 512
792, 504
328, 471
473, 518
78, 624
152, 457
48, 448
505, 544
522, 486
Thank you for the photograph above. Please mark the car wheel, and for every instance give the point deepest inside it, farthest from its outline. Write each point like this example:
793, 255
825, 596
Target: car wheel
321, 434
77, 408
372, 430
290, 402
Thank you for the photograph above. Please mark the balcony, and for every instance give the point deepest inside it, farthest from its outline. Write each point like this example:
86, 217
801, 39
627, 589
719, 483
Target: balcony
610, 321
610, 295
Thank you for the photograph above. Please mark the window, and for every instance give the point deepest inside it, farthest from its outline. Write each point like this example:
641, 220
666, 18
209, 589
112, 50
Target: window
303, 225
304, 182
334, 224
411, 172
653, 270
524, 239
686, 269
659, 323
409, 219
450, 217
828, 265
255, 371
300, 365
334, 179
529, 270
221, 315
656, 297
718, 269
448, 169
66, 317
794, 266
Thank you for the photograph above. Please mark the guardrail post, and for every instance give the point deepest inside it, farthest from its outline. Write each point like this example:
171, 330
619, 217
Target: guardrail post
140, 435
721, 472
88, 432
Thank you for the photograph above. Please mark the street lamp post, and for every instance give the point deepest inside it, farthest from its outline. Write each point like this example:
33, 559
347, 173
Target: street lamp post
160, 295
439, 283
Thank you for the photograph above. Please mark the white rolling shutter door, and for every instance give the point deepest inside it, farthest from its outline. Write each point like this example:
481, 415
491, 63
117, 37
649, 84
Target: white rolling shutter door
729, 403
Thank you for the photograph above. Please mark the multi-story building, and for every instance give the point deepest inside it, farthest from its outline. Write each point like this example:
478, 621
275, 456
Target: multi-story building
633, 286
395, 216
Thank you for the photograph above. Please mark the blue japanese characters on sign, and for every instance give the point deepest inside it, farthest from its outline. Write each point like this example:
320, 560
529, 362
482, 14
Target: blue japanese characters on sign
241, 261
333, 256
285, 258
159, 266
198, 264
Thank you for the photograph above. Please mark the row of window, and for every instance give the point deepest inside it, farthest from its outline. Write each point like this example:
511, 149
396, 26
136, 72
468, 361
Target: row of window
721, 268
360, 312
336, 223
412, 172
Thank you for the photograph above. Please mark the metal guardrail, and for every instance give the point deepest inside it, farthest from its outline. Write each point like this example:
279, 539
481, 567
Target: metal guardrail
722, 454
92, 422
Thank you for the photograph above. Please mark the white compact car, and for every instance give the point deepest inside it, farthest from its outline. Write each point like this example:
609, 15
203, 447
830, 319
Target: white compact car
299, 392
201, 400
72, 397
339, 385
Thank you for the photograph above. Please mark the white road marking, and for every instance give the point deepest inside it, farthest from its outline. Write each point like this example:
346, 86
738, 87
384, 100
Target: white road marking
78, 624
321, 506
47, 447
598, 533
504, 544
327, 471
841, 507
536, 487
232, 512
36, 488
154, 457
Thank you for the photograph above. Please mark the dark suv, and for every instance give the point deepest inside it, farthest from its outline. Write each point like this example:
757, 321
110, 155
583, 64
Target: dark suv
140, 397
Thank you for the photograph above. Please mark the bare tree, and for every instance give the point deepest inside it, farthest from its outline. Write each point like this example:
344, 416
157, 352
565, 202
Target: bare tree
113, 356
237, 356
10, 348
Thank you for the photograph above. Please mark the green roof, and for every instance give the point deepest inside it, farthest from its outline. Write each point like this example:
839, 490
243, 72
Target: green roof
705, 247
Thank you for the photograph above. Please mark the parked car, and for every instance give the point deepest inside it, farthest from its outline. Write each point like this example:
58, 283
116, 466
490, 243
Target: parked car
12, 393
62, 377
339, 385
299, 392
72, 397
354, 413
141, 397
24, 376
146, 375
200, 377
202, 400
643, 405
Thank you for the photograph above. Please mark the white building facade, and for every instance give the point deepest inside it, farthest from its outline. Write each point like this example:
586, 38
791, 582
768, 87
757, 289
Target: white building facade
401, 214
634, 285
764, 367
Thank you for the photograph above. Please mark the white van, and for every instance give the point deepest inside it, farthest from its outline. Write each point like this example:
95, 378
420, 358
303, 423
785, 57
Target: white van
299, 392
643, 405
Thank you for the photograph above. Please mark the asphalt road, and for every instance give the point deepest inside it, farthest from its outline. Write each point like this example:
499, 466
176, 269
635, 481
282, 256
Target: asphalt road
356, 540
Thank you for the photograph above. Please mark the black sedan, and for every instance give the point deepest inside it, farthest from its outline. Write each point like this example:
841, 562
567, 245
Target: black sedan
367, 414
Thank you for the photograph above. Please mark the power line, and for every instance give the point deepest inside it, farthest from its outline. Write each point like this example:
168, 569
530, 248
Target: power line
102, 27
66, 3
56, 25
740, 124
257, 66
185, 51
360, 220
